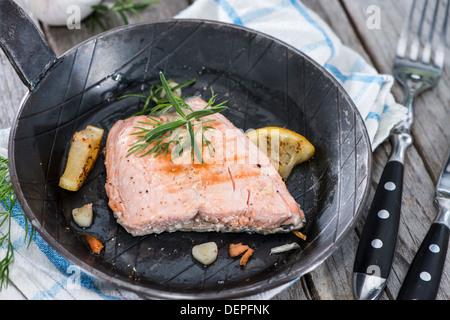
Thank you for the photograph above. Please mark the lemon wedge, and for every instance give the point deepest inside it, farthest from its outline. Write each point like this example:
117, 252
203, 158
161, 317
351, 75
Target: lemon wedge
285, 148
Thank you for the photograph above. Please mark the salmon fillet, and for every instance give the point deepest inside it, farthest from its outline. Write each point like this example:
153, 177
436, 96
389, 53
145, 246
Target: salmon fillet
235, 190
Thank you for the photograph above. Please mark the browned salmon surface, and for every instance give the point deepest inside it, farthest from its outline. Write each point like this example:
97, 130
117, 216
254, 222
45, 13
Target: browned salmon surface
236, 189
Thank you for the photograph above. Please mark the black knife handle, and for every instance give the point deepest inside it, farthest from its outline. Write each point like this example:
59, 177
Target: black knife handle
377, 244
424, 275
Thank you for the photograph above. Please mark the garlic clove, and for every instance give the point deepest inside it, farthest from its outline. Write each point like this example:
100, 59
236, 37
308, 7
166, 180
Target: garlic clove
83, 216
172, 84
205, 253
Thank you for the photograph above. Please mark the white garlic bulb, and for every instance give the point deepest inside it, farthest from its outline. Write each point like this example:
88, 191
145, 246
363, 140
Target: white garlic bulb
58, 12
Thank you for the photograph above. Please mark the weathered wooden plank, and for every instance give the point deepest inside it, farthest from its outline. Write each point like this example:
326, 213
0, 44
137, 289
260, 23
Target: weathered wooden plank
431, 143
430, 134
333, 278
415, 180
417, 214
61, 39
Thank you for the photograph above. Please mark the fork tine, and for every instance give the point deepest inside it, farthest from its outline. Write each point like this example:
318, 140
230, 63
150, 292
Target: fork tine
426, 53
403, 41
440, 51
415, 45
411, 37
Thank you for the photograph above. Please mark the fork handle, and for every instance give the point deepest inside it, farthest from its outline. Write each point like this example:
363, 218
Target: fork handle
378, 239
377, 244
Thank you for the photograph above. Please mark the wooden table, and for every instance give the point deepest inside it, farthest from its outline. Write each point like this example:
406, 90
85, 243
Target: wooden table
333, 279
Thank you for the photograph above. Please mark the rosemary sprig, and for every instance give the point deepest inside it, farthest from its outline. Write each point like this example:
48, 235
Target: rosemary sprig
120, 7
8, 199
179, 132
157, 95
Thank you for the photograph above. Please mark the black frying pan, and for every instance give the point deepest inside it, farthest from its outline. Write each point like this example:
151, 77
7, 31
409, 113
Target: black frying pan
267, 83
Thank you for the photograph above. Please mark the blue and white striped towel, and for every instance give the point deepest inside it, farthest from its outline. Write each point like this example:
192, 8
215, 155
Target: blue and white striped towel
39, 272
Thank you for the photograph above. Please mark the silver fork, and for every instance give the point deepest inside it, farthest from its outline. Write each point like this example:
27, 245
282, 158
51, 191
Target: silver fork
416, 70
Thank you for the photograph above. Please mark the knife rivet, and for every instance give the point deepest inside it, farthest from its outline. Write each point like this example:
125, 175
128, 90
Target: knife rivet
377, 243
425, 276
390, 186
434, 248
383, 214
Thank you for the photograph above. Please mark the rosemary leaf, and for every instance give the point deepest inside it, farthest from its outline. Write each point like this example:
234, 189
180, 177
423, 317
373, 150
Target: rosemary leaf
132, 95
183, 84
205, 112
8, 199
119, 8
158, 139
195, 150
163, 129
170, 96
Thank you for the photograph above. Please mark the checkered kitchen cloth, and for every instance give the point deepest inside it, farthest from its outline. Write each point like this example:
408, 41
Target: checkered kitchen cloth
39, 272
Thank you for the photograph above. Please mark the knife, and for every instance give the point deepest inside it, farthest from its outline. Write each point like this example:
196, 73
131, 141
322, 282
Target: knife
424, 274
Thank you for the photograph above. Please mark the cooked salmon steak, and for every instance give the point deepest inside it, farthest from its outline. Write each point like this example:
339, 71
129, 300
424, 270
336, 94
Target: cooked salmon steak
236, 189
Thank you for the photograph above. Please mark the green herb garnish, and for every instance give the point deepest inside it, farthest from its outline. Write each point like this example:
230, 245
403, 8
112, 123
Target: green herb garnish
8, 199
181, 132
156, 95
102, 11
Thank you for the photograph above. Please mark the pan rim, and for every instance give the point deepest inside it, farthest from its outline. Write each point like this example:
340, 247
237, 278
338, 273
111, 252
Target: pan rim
245, 290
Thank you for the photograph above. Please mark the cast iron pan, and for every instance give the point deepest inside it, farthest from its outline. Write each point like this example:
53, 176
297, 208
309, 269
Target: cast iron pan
266, 82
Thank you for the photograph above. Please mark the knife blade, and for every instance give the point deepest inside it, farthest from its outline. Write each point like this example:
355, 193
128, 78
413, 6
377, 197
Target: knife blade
424, 274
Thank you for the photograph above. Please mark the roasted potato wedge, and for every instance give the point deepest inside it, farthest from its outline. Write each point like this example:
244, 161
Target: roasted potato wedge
285, 148
83, 153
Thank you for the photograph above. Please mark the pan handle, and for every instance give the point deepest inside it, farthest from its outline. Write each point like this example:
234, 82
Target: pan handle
24, 45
